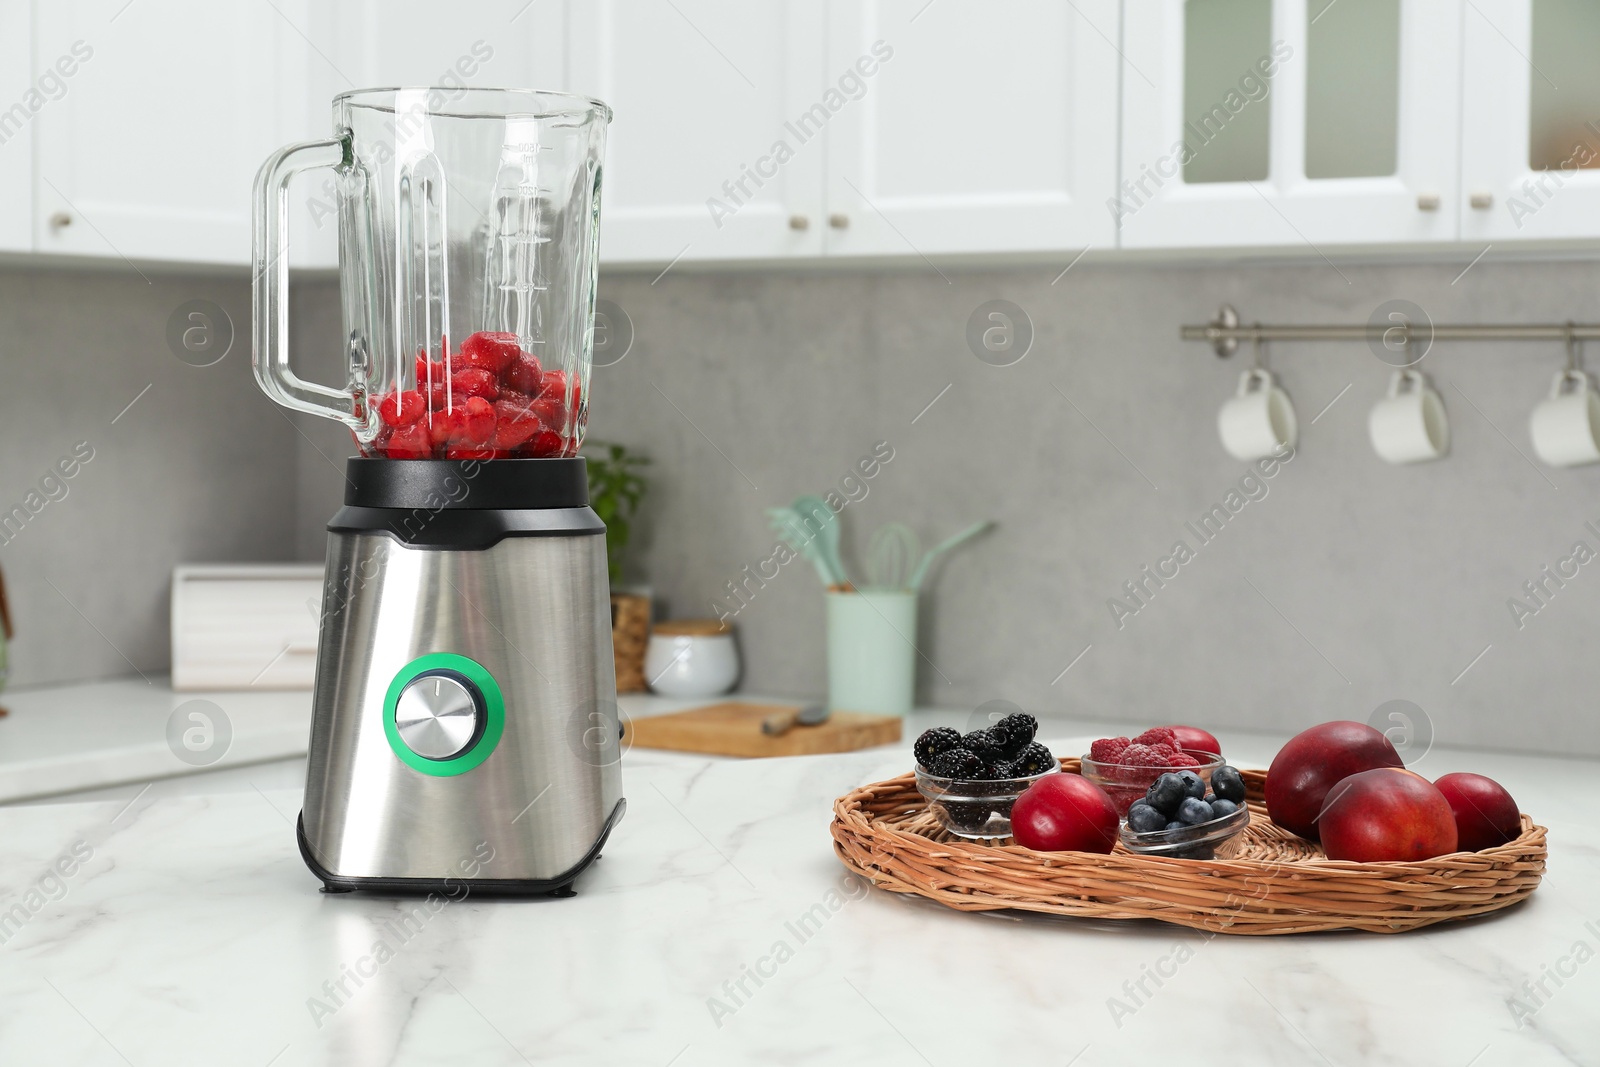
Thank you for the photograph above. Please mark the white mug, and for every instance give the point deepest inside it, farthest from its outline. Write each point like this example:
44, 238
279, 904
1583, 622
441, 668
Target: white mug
1259, 419
1566, 426
1409, 424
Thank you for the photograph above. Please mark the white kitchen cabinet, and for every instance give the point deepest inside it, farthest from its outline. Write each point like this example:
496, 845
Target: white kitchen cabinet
1290, 122
172, 106
713, 153
20, 100
358, 44
1531, 136
982, 128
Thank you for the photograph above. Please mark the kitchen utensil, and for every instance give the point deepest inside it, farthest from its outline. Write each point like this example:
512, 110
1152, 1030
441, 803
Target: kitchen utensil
1259, 418
872, 654
789, 528
1566, 425
921, 573
465, 697
691, 658
1409, 424
782, 722
892, 554
734, 729
823, 524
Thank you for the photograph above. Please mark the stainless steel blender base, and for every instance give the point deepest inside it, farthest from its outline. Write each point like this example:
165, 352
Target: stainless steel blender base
521, 798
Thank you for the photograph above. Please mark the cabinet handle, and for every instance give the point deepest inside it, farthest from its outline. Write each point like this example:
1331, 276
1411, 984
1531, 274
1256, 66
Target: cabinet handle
1481, 200
1427, 201
60, 220
799, 222
838, 221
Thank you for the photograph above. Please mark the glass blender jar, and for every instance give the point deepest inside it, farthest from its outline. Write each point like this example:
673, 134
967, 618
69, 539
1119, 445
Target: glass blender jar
469, 226
464, 724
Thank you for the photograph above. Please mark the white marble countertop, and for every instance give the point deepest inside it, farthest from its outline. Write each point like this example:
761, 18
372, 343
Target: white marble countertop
189, 932
63, 738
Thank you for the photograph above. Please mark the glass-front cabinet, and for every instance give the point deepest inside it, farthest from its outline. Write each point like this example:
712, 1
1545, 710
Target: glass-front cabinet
1530, 153
1289, 122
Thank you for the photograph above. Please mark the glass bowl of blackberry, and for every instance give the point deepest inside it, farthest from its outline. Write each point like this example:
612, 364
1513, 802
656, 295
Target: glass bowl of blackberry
1126, 768
1182, 817
971, 780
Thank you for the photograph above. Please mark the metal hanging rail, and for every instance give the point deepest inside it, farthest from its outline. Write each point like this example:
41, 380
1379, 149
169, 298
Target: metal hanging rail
1225, 332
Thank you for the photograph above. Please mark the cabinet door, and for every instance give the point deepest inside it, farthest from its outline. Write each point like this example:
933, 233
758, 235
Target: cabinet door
20, 102
1531, 139
711, 154
965, 126
170, 109
361, 43
1289, 122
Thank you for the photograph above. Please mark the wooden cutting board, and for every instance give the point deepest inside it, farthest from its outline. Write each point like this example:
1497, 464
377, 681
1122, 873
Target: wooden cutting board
734, 729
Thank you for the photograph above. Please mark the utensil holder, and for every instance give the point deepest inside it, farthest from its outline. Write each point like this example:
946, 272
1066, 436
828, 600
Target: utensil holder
872, 664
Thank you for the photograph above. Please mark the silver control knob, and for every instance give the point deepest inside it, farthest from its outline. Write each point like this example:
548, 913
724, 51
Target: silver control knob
438, 716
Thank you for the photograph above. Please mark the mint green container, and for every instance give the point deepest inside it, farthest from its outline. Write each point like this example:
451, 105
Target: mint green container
872, 652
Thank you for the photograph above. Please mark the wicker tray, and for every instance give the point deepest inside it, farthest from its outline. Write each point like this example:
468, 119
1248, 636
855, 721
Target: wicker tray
1264, 881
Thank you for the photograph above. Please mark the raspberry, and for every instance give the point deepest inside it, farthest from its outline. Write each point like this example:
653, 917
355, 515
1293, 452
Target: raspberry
410, 442
493, 352
401, 409
1165, 749
474, 382
1182, 759
1108, 749
525, 375
1157, 735
1142, 755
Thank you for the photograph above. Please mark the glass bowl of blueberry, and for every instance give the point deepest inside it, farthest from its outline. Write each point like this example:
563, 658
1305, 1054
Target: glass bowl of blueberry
970, 781
1180, 817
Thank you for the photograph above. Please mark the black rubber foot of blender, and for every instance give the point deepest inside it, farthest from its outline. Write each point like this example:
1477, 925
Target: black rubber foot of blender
559, 886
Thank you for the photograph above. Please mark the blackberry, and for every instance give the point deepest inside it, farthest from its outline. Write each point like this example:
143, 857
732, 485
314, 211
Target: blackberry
934, 741
969, 817
1015, 732
1035, 759
986, 745
1227, 784
1166, 793
1144, 819
956, 763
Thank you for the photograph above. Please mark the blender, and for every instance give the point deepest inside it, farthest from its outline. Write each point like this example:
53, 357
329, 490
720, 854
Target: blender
464, 725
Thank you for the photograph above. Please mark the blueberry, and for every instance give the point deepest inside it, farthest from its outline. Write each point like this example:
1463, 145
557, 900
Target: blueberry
1223, 808
1177, 826
1194, 811
1209, 798
1227, 784
1144, 819
1166, 793
1193, 785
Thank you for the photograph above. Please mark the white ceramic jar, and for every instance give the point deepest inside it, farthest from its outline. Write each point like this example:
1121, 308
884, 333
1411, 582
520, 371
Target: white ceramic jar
691, 658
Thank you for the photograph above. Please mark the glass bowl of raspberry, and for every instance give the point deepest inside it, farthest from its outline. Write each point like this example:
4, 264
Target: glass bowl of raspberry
978, 809
1126, 767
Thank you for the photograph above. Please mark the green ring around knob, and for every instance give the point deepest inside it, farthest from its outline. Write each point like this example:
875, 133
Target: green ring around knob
494, 713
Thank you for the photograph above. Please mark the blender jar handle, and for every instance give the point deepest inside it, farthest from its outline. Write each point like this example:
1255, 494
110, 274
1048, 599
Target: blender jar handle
271, 286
